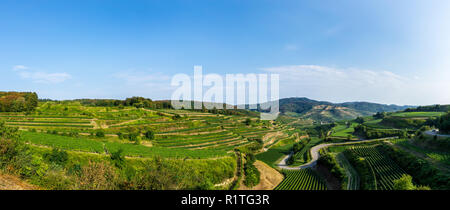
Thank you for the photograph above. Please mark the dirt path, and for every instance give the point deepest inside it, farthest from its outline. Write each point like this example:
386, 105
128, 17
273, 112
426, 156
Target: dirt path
270, 178
9, 182
272, 136
125, 122
315, 154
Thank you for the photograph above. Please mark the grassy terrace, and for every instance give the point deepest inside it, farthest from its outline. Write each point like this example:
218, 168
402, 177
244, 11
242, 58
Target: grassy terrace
440, 156
418, 114
341, 130
193, 135
102, 147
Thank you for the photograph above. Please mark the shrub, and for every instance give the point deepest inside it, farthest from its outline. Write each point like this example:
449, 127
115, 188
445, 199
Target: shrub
97, 176
422, 171
329, 161
150, 135
120, 135
252, 175
405, 183
57, 156
118, 158
100, 133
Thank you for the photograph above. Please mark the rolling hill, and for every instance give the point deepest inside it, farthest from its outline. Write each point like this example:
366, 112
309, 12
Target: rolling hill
324, 111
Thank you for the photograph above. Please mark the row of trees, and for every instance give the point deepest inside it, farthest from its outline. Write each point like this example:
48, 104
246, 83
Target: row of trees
141, 102
372, 133
444, 123
138, 102
434, 108
252, 175
18, 101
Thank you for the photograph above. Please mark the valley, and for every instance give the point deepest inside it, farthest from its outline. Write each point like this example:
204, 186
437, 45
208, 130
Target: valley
142, 144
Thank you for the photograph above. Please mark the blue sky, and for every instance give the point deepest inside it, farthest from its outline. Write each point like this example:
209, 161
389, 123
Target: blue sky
349, 50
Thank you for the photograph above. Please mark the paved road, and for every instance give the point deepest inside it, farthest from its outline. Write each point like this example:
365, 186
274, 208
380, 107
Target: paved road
315, 154
431, 133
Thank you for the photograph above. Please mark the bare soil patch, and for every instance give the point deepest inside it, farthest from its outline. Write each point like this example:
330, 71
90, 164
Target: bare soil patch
9, 182
270, 178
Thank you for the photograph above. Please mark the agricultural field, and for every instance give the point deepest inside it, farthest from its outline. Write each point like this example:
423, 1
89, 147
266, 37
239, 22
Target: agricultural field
440, 156
353, 182
417, 114
384, 170
305, 179
304, 156
343, 131
167, 136
274, 154
180, 130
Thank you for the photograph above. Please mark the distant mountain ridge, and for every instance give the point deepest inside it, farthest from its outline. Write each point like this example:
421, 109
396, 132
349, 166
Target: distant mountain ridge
327, 111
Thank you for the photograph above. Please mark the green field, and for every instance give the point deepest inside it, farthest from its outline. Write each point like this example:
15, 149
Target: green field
304, 156
418, 114
174, 142
341, 130
384, 170
274, 154
440, 156
193, 130
305, 179
353, 182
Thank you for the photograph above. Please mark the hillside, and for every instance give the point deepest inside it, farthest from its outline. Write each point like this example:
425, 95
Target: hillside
9, 182
73, 140
324, 111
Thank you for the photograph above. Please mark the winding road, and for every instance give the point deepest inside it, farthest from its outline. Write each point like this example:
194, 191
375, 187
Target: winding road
315, 153
434, 133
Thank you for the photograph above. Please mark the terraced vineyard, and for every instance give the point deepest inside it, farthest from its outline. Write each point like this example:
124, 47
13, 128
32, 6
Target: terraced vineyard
305, 179
303, 156
72, 126
384, 170
418, 114
353, 182
441, 156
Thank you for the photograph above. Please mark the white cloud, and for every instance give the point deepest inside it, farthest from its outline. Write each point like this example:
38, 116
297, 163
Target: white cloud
339, 85
19, 67
290, 47
41, 77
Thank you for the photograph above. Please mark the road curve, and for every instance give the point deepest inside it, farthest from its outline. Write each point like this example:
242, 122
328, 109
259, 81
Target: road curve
433, 133
315, 154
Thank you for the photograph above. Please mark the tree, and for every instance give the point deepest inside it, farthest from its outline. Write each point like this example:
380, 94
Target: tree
118, 158
248, 121
150, 135
57, 156
405, 183
360, 120
100, 133
176, 117
379, 115
444, 123
18, 101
